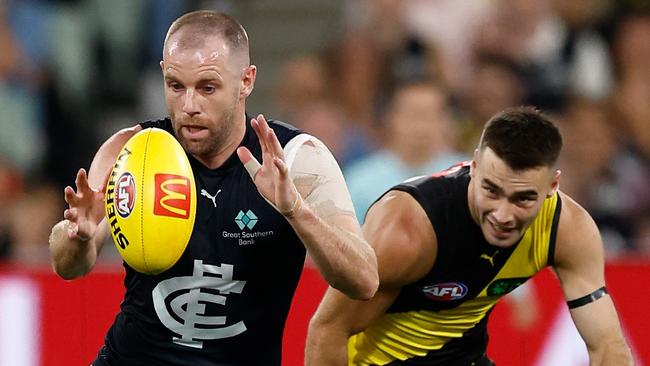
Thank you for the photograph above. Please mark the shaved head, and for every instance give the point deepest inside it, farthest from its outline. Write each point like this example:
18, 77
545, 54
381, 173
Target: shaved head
191, 30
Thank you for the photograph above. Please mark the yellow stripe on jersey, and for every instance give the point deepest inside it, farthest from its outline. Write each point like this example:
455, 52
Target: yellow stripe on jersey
400, 336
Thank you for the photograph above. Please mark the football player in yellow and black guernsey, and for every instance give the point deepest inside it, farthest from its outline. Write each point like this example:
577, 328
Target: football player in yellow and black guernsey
450, 245
268, 194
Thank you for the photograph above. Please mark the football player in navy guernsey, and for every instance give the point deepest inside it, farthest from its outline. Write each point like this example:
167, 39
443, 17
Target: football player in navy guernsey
269, 193
450, 245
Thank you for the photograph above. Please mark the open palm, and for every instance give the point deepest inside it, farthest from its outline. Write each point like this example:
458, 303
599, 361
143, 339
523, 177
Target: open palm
272, 176
85, 208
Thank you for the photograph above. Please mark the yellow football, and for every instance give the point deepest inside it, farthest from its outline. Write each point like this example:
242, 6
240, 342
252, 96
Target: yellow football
151, 201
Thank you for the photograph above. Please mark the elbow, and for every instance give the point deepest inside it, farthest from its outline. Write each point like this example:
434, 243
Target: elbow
611, 352
364, 287
68, 272
369, 288
369, 283
65, 273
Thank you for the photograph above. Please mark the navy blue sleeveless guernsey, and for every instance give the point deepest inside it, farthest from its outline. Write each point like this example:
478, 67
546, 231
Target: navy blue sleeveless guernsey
226, 300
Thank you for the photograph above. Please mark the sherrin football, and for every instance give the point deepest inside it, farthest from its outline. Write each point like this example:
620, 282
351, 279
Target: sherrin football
151, 201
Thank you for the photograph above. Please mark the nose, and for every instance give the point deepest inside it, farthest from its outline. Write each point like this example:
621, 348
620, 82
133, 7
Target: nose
503, 214
190, 105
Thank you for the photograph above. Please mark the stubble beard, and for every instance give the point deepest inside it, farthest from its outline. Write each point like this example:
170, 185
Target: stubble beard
218, 136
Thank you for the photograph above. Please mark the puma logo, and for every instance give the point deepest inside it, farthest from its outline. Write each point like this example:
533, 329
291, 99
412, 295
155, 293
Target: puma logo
489, 258
212, 198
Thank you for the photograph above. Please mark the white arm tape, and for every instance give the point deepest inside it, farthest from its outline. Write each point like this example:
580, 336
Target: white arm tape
317, 176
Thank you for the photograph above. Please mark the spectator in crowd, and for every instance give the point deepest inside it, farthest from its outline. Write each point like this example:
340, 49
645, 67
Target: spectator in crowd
556, 60
611, 182
327, 121
497, 84
420, 139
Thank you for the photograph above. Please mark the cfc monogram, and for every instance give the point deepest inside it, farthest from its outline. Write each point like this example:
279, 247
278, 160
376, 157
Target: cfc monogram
187, 302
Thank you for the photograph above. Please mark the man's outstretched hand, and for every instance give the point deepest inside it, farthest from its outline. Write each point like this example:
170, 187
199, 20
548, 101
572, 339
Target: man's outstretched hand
85, 208
271, 176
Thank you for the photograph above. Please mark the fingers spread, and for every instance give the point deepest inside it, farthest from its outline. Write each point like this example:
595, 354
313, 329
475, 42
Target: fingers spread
70, 214
251, 164
275, 144
283, 170
259, 131
82, 179
70, 195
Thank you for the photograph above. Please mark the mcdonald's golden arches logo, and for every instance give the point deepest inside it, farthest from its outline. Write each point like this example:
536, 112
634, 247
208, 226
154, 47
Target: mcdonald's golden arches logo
172, 196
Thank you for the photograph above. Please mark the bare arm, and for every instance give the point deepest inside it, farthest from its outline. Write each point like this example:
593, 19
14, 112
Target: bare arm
326, 223
311, 193
76, 241
579, 263
400, 232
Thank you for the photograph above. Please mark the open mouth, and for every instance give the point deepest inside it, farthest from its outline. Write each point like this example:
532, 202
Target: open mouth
194, 132
501, 232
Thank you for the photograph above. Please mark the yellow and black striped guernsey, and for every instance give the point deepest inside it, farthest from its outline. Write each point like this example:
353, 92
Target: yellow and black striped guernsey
442, 318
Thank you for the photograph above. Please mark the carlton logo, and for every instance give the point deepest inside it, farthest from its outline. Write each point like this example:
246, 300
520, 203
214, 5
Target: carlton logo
446, 291
125, 194
172, 196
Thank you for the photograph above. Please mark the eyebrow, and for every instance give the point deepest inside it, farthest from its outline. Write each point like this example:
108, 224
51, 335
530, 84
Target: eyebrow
526, 193
205, 80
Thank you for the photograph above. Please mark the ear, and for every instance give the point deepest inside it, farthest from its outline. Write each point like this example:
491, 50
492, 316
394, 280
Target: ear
162, 66
555, 183
248, 81
472, 165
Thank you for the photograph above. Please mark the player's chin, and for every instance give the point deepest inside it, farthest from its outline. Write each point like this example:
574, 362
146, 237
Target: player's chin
192, 146
501, 243
502, 239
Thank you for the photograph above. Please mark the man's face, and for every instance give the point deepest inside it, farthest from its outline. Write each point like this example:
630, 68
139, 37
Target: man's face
205, 89
418, 119
505, 202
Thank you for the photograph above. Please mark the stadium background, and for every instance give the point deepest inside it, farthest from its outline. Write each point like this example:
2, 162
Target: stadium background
74, 71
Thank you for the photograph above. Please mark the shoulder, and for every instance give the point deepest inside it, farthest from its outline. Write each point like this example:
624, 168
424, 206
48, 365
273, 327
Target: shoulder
119, 138
284, 131
441, 191
574, 219
105, 157
577, 232
400, 232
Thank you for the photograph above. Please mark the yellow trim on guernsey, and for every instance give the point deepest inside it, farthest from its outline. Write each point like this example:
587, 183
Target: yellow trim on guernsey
400, 336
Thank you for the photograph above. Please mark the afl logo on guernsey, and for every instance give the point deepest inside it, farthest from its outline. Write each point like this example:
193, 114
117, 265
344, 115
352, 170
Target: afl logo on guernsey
125, 194
446, 291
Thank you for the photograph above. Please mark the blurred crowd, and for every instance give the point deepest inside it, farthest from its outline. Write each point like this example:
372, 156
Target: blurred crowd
404, 90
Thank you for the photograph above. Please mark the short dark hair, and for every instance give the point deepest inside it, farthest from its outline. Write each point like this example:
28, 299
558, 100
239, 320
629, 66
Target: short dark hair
385, 102
523, 137
209, 22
